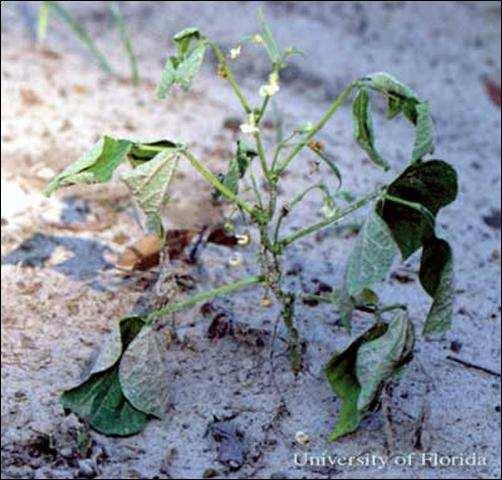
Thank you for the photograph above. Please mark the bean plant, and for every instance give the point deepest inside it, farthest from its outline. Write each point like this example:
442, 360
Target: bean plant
128, 384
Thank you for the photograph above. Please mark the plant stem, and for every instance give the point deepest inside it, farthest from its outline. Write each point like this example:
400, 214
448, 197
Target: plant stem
334, 218
81, 33
43, 16
126, 40
203, 296
261, 154
208, 175
230, 76
320, 124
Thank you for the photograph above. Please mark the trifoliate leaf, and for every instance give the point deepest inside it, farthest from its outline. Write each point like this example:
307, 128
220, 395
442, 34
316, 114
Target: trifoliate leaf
431, 184
363, 128
436, 276
341, 373
96, 166
378, 359
372, 255
143, 375
149, 181
424, 135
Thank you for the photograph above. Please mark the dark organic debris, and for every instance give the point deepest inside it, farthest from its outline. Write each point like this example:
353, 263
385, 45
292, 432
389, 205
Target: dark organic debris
230, 443
468, 364
493, 91
493, 219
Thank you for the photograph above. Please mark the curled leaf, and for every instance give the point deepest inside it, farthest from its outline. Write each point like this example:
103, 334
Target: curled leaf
432, 184
143, 375
372, 255
436, 276
424, 136
363, 128
96, 166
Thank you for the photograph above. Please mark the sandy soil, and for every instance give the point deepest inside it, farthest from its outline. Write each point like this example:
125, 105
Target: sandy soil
61, 293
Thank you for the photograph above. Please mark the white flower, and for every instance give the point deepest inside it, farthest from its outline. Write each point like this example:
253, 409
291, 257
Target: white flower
272, 87
257, 38
235, 52
250, 126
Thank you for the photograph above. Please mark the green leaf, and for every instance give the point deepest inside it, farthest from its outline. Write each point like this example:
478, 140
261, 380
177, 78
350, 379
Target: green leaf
181, 69
345, 305
372, 256
269, 40
95, 166
237, 167
378, 359
149, 181
363, 127
99, 399
436, 276
142, 372
432, 184
142, 152
329, 161
341, 374
390, 87
424, 136
101, 402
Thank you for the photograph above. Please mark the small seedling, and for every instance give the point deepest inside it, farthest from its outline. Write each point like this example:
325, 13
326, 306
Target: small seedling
128, 382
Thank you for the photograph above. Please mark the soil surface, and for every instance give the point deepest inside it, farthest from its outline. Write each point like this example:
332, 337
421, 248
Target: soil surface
62, 293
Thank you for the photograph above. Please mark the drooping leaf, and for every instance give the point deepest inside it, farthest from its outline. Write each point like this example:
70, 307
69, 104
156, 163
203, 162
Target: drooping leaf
345, 305
329, 161
432, 184
101, 402
96, 166
149, 181
99, 399
378, 359
141, 152
372, 255
341, 373
436, 276
390, 87
424, 135
237, 167
143, 375
182, 68
363, 128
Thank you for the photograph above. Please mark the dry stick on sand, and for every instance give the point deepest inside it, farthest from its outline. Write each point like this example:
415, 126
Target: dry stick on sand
467, 364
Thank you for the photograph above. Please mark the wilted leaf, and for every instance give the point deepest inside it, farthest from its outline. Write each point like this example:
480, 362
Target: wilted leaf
141, 152
424, 135
358, 373
432, 184
341, 373
181, 69
99, 399
345, 304
378, 359
436, 276
389, 86
95, 166
142, 373
363, 128
237, 167
372, 256
142, 254
149, 181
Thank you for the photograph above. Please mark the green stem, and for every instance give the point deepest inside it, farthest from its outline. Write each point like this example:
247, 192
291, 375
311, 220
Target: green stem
261, 154
230, 76
81, 33
211, 178
203, 296
334, 218
320, 124
126, 40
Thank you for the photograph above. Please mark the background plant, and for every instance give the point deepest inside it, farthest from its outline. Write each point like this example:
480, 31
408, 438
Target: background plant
128, 382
